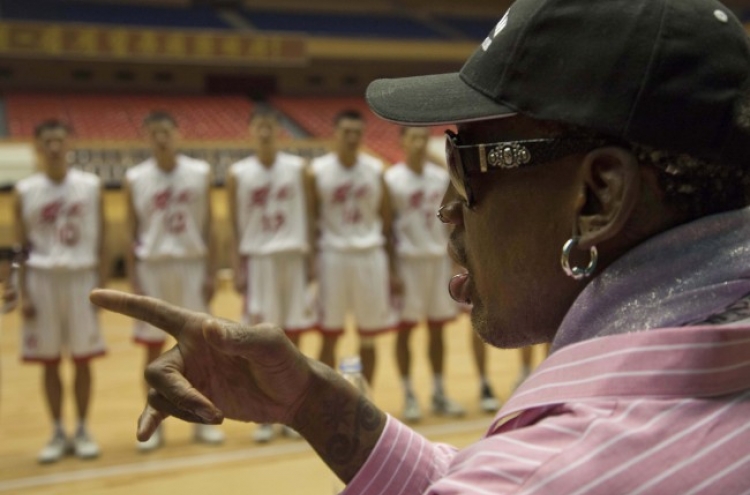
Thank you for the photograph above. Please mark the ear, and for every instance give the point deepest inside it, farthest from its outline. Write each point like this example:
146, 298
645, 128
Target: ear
612, 184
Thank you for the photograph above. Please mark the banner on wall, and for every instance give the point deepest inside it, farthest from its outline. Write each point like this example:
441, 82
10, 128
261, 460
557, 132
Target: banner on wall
40, 40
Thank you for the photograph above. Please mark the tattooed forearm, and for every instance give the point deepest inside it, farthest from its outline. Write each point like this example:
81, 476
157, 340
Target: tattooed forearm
344, 445
341, 425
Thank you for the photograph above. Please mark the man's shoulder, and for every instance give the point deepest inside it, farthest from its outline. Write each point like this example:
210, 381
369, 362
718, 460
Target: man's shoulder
193, 164
243, 165
394, 173
320, 162
87, 178
370, 162
30, 182
137, 170
436, 171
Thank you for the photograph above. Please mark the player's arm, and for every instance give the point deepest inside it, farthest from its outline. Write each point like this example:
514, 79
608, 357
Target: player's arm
209, 283
387, 216
312, 202
240, 275
132, 227
102, 254
21, 237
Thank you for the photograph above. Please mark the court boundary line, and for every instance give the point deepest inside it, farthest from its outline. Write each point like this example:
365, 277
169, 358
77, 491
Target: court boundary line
212, 459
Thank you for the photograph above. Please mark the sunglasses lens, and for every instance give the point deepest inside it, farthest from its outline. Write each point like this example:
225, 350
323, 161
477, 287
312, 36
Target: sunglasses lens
455, 170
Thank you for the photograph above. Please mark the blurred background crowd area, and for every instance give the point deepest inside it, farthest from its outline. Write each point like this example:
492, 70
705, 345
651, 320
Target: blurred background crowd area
101, 65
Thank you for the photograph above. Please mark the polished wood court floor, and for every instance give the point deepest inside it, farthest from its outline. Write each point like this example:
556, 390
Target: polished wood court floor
282, 467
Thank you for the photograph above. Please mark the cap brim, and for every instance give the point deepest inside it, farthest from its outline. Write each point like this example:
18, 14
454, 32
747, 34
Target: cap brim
431, 100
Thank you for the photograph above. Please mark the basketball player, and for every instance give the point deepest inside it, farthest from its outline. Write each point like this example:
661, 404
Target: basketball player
356, 262
172, 248
416, 187
268, 208
59, 220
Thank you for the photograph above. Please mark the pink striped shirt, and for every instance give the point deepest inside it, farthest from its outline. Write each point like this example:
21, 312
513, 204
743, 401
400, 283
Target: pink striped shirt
653, 413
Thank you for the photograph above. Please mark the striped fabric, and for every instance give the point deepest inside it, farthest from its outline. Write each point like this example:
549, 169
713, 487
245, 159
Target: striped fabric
653, 413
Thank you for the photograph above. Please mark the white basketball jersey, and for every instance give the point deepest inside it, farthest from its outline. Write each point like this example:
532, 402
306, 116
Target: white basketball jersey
349, 202
61, 219
171, 208
416, 199
271, 208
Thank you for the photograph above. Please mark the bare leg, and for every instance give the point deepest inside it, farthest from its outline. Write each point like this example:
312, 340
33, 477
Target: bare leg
487, 401
527, 354
403, 354
480, 358
53, 391
328, 350
367, 356
436, 348
83, 389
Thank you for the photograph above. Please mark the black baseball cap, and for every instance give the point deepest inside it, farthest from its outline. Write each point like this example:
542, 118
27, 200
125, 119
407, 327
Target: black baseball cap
665, 73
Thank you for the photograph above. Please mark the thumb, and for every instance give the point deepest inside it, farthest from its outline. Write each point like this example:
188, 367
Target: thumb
227, 337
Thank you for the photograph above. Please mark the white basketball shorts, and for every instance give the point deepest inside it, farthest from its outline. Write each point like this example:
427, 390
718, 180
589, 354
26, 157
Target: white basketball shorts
178, 282
426, 294
64, 320
277, 292
355, 281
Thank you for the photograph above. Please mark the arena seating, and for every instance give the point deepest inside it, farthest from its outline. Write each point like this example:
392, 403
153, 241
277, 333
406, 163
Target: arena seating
342, 24
316, 115
118, 117
111, 13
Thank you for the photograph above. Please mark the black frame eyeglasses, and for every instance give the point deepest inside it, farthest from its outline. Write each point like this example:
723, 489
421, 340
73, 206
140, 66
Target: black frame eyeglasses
465, 160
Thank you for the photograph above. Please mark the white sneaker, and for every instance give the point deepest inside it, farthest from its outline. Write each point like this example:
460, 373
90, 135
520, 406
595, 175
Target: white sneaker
54, 450
290, 433
412, 413
153, 443
443, 406
208, 434
487, 401
85, 447
263, 433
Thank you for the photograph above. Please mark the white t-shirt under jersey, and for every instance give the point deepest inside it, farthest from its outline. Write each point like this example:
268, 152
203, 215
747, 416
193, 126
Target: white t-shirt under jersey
61, 219
171, 208
349, 202
416, 199
271, 208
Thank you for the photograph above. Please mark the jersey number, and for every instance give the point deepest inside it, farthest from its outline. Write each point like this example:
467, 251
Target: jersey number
175, 222
273, 222
69, 234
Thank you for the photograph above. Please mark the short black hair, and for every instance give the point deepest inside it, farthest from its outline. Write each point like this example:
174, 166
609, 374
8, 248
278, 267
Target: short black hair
49, 125
348, 113
159, 116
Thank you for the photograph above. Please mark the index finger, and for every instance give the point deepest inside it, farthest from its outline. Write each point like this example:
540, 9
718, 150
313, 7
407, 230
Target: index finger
171, 319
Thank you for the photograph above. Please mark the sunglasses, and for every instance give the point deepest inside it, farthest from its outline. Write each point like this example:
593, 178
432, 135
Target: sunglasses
465, 160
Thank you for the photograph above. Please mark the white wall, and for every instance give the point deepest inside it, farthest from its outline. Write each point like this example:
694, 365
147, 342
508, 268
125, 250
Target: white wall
16, 162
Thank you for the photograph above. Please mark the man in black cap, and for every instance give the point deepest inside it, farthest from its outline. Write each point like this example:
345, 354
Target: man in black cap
598, 202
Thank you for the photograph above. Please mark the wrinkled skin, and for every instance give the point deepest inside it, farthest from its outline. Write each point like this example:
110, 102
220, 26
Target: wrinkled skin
218, 369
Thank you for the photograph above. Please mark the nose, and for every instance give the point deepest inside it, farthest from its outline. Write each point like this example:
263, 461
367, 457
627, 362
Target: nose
451, 212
